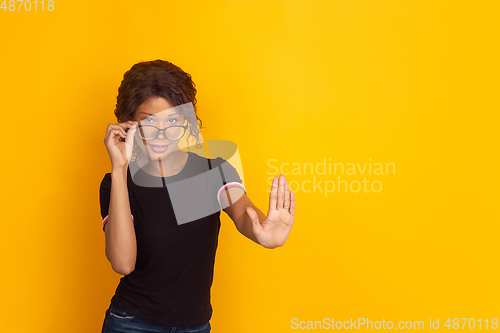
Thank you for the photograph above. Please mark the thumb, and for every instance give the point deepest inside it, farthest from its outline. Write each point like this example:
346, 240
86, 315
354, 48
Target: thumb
129, 142
257, 228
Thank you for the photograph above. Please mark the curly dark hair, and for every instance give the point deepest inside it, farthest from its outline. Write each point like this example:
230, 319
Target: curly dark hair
156, 78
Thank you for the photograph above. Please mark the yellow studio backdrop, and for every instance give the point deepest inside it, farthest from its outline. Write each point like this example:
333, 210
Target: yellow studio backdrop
383, 115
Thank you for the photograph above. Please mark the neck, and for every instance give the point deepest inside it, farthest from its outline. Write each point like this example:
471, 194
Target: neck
167, 166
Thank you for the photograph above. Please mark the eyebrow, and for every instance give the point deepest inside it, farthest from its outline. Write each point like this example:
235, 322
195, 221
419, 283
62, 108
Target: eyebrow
155, 115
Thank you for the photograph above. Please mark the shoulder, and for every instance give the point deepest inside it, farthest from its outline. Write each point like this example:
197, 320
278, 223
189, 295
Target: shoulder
217, 161
205, 161
214, 167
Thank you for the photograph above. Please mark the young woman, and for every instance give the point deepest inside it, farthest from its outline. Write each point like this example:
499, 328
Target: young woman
167, 264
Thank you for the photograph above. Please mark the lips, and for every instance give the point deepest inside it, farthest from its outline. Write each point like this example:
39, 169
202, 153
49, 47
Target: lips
159, 148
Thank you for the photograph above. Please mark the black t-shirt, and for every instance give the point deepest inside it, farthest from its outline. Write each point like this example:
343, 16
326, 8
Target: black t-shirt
171, 282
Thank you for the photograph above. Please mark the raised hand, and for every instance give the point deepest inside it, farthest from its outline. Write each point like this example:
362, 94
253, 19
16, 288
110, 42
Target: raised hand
274, 230
120, 152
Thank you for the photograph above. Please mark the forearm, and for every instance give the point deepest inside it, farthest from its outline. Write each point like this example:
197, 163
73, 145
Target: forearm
121, 244
245, 224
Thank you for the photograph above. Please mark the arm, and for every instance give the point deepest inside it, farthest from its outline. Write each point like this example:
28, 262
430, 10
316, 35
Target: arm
121, 244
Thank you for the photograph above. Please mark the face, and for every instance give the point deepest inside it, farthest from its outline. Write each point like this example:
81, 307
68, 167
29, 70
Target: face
157, 111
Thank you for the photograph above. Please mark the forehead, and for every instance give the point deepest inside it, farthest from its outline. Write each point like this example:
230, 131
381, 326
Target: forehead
157, 106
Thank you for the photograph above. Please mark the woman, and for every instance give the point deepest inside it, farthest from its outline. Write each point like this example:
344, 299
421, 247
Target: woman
168, 264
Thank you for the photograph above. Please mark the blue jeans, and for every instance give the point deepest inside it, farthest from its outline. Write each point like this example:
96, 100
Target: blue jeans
118, 321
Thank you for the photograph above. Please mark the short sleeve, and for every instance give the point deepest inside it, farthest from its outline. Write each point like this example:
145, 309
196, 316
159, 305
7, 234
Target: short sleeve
104, 198
226, 177
104, 194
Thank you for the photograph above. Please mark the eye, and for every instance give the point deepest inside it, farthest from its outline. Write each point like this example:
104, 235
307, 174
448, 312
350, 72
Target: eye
172, 122
148, 120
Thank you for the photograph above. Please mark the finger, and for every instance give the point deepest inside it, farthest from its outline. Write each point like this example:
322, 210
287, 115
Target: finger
108, 131
273, 197
126, 126
114, 127
292, 203
129, 142
256, 226
130, 133
287, 196
281, 191
115, 134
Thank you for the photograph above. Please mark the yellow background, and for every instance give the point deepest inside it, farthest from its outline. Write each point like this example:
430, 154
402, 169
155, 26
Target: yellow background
414, 83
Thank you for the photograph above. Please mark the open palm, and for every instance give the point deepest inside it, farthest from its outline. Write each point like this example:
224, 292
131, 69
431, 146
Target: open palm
274, 230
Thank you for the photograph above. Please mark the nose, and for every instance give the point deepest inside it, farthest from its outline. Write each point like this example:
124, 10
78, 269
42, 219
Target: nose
161, 135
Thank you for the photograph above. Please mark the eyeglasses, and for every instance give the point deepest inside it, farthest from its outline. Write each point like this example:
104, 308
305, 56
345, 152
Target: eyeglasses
172, 133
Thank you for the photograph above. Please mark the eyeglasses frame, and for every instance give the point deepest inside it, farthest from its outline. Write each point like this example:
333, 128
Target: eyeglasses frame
158, 130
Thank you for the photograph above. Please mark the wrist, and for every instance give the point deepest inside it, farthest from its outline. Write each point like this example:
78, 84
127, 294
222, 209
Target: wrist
119, 172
